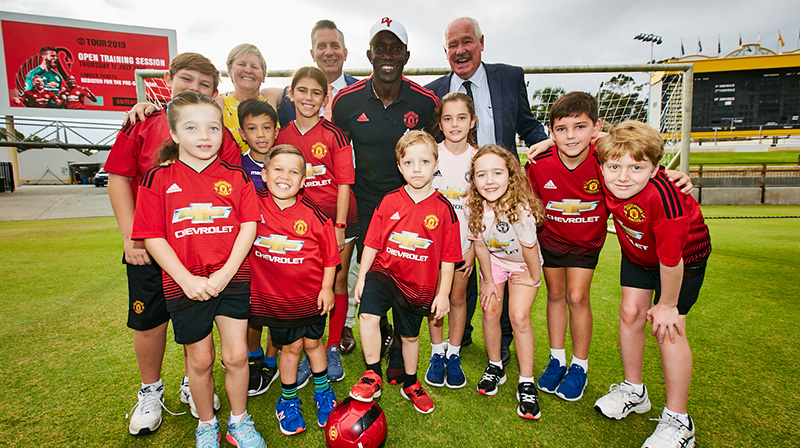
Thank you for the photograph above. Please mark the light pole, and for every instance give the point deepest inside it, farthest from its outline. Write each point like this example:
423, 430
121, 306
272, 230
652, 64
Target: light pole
652, 38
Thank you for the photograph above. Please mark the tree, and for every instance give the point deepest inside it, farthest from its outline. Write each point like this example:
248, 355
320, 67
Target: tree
620, 99
543, 100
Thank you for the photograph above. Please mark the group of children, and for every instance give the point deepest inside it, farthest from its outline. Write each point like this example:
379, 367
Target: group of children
255, 240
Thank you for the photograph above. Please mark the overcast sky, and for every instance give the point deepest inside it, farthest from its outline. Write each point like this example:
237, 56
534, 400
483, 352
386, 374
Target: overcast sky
525, 33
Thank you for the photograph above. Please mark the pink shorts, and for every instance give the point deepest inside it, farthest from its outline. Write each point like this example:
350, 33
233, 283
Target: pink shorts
501, 274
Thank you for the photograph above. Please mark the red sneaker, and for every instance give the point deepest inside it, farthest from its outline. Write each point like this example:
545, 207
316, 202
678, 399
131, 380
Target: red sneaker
421, 400
368, 387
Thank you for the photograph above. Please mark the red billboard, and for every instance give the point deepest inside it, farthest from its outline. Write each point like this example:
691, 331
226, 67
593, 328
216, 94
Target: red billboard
68, 68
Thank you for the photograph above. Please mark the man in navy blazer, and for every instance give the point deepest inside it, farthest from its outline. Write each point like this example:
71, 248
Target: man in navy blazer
498, 89
503, 110
329, 53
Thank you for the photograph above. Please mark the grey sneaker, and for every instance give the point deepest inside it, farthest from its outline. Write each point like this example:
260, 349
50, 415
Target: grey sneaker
335, 368
303, 372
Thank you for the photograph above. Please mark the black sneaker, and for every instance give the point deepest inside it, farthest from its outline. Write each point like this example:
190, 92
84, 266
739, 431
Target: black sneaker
396, 369
528, 401
387, 337
270, 374
492, 377
261, 377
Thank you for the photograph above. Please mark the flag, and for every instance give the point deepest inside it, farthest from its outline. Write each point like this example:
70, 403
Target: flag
682, 51
699, 45
780, 39
759, 37
719, 45
740, 39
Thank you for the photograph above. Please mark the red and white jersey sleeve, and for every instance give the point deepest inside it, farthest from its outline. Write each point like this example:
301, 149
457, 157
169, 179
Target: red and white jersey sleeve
452, 181
505, 240
329, 163
293, 247
575, 211
412, 239
660, 224
199, 215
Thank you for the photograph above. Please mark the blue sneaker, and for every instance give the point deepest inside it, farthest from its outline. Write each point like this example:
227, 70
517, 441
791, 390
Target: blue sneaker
244, 434
325, 402
573, 384
290, 416
435, 374
335, 369
455, 374
552, 376
207, 436
303, 372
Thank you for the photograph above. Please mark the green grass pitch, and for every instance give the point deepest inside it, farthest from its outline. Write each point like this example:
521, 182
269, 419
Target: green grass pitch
68, 373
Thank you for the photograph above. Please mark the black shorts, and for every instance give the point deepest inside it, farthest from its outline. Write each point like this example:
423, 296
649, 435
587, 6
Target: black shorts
554, 259
378, 298
194, 322
147, 308
637, 276
286, 336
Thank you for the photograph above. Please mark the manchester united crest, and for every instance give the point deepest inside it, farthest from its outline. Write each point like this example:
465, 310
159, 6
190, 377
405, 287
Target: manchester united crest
634, 213
431, 222
319, 150
300, 227
592, 186
411, 119
223, 188
138, 307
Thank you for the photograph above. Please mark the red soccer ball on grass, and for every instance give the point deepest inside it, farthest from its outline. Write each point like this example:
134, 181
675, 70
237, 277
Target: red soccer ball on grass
354, 424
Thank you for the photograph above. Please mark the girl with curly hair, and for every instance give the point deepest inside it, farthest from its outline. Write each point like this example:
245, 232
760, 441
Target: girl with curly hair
503, 214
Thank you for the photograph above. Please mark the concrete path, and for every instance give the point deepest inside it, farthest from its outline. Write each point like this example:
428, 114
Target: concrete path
31, 202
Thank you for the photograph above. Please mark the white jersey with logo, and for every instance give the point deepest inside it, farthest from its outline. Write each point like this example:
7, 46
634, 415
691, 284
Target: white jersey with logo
452, 181
505, 240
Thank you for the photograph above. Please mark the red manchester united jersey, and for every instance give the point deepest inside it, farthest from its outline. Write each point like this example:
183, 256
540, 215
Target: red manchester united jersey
137, 146
74, 97
198, 214
573, 199
412, 239
660, 224
45, 98
293, 247
329, 163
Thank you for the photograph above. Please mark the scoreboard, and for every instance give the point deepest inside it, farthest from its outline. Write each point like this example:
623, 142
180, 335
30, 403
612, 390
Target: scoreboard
746, 100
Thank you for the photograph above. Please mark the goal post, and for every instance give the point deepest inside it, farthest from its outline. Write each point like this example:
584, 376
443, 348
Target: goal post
666, 103
667, 100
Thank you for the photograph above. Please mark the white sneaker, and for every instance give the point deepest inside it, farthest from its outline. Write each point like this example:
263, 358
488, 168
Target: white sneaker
671, 433
621, 400
186, 398
146, 416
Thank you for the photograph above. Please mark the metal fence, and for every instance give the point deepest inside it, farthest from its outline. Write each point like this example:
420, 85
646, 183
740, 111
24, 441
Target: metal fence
43, 133
763, 176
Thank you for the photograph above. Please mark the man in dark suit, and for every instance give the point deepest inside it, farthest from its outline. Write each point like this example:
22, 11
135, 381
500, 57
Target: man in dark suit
503, 110
329, 53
